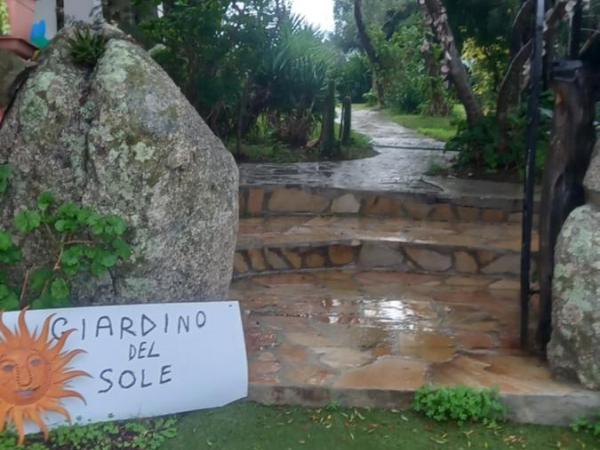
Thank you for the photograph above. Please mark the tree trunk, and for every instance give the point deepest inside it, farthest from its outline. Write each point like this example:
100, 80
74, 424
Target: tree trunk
168, 6
367, 45
346, 127
438, 106
60, 14
509, 92
437, 17
328, 144
144, 11
241, 122
573, 139
119, 12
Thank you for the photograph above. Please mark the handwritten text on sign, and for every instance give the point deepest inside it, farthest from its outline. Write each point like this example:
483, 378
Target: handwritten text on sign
150, 360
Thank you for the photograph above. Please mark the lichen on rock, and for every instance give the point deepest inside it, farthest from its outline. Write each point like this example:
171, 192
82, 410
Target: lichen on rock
574, 351
122, 139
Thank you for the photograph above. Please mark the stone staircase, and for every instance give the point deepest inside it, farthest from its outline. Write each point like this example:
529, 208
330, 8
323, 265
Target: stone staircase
361, 296
290, 229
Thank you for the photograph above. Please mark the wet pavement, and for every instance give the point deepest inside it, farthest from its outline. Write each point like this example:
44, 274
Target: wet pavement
403, 160
387, 331
361, 281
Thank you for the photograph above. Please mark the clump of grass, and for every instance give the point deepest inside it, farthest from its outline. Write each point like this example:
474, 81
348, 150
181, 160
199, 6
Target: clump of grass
435, 169
86, 47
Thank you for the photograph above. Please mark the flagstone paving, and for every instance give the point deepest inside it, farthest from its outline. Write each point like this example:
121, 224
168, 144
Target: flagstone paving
313, 328
345, 335
356, 329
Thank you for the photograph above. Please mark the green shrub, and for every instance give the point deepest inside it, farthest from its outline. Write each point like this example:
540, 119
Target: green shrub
460, 404
86, 47
587, 425
478, 147
355, 78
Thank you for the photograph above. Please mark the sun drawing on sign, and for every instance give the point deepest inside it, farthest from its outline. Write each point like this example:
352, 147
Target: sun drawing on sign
33, 376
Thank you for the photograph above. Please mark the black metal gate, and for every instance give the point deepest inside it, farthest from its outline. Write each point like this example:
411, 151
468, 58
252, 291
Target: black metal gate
576, 84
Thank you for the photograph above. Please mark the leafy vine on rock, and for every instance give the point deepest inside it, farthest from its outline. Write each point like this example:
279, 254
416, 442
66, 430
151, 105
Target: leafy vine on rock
79, 240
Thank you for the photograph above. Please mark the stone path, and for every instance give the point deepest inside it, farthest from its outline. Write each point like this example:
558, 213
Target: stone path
404, 157
360, 281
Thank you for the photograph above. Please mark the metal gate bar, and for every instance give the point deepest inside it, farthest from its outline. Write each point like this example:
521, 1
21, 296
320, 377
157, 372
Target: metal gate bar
537, 67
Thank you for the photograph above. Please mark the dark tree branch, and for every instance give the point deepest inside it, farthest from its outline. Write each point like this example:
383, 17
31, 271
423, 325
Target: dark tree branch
437, 18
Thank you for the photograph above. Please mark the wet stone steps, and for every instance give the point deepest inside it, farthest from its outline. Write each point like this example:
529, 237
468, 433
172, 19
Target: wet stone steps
490, 204
291, 243
371, 338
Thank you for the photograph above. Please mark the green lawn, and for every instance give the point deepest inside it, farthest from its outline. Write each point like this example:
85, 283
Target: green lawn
249, 426
360, 106
441, 128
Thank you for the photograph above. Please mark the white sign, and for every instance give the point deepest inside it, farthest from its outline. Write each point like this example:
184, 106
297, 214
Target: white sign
142, 360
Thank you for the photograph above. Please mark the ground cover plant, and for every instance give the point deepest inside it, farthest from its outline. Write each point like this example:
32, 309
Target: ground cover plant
249, 426
460, 404
134, 435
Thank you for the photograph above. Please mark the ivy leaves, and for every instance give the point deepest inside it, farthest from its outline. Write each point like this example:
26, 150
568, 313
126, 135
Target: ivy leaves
9, 254
27, 221
80, 241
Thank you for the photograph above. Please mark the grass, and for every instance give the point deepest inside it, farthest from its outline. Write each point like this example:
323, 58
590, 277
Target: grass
268, 150
360, 106
440, 128
249, 426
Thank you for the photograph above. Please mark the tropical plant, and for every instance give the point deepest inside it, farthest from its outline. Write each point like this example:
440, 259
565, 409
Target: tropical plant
238, 61
292, 81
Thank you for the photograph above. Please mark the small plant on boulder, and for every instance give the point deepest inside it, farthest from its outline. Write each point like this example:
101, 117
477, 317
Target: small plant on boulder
86, 47
79, 240
460, 404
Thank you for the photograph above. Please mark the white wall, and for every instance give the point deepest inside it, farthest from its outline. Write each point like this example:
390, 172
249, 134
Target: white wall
82, 10
45, 10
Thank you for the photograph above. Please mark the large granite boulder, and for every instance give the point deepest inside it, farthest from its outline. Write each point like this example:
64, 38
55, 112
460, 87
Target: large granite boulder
574, 351
123, 139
